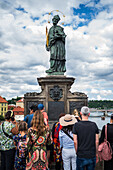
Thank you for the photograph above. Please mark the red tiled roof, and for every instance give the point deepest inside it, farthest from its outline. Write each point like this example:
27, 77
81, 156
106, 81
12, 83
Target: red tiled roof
2, 100
10, 106
20, 113
21, 100
18, 109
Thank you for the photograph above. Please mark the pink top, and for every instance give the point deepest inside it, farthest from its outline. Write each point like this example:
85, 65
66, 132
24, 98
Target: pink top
45, 117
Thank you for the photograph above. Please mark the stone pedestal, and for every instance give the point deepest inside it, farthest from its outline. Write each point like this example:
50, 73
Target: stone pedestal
55, 96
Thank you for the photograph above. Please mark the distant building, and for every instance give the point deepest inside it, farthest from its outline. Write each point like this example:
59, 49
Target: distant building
18, 113
20, 103
3, 106
11, 106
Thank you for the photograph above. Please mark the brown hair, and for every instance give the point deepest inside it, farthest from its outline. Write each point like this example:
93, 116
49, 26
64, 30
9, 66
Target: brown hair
8, 115
68, 128
23, 126
38, 122
61, 115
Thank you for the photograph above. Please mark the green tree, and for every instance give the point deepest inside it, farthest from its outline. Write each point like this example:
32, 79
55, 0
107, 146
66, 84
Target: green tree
2, 118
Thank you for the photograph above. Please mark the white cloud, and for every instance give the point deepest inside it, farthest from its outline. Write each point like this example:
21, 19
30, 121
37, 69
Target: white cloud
99, 97
95, 91
106, 92
23, 57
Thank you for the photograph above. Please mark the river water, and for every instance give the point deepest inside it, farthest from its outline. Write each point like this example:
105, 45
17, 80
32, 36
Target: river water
100, 123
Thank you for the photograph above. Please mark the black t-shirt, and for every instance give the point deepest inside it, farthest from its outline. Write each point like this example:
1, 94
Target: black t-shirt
86, 135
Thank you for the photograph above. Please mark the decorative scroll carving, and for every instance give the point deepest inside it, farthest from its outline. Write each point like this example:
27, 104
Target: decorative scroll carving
79, 94
31, 94
56, 93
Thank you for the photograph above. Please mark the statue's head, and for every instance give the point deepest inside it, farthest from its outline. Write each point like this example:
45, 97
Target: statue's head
56, 19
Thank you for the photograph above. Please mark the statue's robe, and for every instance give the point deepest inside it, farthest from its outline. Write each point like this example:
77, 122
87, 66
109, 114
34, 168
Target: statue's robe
57, 49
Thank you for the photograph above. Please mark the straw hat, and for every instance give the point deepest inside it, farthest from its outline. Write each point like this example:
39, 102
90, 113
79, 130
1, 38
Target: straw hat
67, 120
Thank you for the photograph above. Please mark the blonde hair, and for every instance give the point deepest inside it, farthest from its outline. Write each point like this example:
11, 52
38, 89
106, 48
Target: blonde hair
38, 122
75, 111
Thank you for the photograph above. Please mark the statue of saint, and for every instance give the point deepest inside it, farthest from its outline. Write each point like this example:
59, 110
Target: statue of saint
56, 46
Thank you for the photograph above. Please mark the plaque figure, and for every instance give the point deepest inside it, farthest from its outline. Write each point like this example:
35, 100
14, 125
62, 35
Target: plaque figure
56, 45
56, 93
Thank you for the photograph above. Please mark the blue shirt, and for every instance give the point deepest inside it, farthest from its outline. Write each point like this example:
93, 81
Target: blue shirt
65, 141
29, 117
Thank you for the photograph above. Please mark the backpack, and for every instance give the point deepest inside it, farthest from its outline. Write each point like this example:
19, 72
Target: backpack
22, 150
104, 149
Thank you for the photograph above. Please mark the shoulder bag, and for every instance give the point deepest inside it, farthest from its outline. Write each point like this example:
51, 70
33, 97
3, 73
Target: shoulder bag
6, 134
67, 133
104, 149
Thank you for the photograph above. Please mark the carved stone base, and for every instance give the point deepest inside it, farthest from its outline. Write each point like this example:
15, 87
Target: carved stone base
55, 96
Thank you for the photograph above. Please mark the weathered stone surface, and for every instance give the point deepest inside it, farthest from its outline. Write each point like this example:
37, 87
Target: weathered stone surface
56, 96
76, 104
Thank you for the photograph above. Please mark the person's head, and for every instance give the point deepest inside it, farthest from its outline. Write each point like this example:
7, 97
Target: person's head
33, 108
8, 115
23, 126
67, 122
61, 115
85, 111
111, 119
38, 122
40, 106
56, 19
75, 113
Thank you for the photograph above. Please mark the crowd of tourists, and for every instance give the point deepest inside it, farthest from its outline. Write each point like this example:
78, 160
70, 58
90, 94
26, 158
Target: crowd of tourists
73, 143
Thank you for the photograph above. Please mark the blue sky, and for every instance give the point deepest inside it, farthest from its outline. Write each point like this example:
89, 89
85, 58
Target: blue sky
88, 25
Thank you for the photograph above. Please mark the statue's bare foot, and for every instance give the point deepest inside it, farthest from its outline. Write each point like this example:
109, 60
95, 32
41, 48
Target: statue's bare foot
49, 71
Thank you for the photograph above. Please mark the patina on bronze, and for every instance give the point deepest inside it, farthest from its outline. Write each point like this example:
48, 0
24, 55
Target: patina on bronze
56, 46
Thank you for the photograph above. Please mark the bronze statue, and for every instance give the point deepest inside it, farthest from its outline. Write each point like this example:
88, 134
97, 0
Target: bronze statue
56, 46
